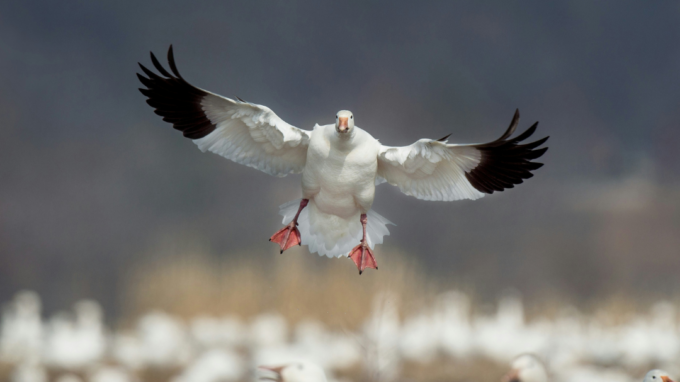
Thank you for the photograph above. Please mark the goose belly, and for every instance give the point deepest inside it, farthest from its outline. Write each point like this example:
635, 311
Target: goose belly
341, 185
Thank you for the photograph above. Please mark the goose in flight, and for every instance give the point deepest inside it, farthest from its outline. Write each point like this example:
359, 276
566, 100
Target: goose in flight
340, 163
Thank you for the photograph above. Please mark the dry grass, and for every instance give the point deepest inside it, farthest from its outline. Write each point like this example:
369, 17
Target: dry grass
334, 293
443, 369
300, 285
448, 370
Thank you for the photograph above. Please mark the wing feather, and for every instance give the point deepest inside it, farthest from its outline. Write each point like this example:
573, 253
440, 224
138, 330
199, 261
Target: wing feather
247, 133
435, 170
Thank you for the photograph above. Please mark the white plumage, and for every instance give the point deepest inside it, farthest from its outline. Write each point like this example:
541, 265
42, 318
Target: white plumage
215, 365
526, 368
333, 244
430, 170
340, 164
72, 344
657, 375
21, 331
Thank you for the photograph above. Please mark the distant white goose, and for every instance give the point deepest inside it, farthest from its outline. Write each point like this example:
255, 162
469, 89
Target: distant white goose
303, 371
340, 163
74, 344
526, 368
21, 330
657, 375
215, 365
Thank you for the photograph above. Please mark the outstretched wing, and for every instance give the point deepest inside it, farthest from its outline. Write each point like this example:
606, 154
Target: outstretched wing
435, 170
244, 132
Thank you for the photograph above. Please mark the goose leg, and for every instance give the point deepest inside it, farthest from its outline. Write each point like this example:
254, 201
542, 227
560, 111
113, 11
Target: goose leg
289, 235
362, 255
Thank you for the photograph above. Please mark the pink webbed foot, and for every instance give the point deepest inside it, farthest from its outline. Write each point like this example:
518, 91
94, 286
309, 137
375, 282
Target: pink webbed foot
363, 257
287, 237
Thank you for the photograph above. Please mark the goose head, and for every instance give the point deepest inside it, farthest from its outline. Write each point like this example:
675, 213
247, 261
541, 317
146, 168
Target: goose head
344, 122
657, 375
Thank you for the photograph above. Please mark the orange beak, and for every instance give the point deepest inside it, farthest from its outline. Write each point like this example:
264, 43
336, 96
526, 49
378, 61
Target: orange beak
666, 379
342, 124
512, 376
275, 369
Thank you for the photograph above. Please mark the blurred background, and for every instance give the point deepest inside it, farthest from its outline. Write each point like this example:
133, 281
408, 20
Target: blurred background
102, 201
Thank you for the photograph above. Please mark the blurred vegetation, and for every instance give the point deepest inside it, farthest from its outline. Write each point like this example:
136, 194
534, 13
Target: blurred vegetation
330, 291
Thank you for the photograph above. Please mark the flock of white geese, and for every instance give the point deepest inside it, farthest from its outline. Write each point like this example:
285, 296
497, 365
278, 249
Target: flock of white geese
77, 346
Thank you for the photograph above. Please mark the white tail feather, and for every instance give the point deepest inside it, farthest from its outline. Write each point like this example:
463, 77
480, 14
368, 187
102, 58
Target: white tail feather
330, 235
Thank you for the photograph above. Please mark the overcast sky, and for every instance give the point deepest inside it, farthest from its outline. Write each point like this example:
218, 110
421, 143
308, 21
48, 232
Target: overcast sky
91, 179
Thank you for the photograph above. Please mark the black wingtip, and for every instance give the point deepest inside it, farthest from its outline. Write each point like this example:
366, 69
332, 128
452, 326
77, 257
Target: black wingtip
146, 71
511, 128
171, 61
174, 99
529, 132
158, 66
506, 162
152, 76
141, 78
442, 139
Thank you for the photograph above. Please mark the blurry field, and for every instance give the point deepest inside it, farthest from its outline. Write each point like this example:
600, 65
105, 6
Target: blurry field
196, 283
329, 290
394, 324
333, 293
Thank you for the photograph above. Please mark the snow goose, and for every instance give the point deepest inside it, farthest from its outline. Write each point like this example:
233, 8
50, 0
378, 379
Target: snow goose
453, 316
74, 344
21, 331
164, 340
303, 371
215, 365
340, 163
526, 368
657, 375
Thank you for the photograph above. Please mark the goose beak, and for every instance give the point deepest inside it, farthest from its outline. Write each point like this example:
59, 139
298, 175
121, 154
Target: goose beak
666, 379
512, 376
274, 369
342, 124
